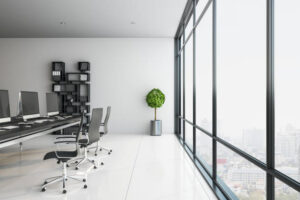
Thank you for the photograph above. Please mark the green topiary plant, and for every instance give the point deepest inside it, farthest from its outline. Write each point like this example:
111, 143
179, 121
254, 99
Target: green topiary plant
155, 99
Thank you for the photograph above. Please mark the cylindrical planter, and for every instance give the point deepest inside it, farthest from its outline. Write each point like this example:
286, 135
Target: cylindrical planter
156, 127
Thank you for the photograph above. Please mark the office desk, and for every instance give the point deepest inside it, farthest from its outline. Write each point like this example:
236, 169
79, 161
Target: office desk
22, 133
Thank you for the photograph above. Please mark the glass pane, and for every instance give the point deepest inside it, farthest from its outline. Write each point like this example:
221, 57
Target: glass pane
181, 41
241, 65
181, 91
188, 28
181, 85
189, 80
284, 192
204, 148
181, 128
199, 7
189, 135
245, 180
204, 71
287, 86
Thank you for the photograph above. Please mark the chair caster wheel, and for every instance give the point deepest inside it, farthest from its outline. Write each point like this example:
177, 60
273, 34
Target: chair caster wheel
85, 186
64, 191
93, 161
84, 180
95, 167
108, 153
100, 149
76, 162
76, 168
58, 162
45, 182
96, 154
68, 165
43, 189
88, 151
102, 163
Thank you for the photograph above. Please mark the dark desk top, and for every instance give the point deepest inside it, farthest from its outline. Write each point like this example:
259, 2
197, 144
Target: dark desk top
38, 125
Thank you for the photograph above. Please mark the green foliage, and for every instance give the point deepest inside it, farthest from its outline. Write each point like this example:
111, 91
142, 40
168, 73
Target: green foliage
155, 98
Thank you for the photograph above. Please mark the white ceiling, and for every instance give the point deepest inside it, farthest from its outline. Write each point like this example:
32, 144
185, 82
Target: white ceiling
90, 18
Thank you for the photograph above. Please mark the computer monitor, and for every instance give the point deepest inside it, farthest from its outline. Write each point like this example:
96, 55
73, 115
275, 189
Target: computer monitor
52, 104
4, 107
30, 105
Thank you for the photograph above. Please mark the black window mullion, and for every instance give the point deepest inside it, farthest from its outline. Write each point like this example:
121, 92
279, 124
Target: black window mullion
194, 78
270, 140
214, 94
178, 120
183, 75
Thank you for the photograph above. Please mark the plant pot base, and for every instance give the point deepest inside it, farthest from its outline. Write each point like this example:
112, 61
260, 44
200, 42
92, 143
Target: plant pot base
156, 127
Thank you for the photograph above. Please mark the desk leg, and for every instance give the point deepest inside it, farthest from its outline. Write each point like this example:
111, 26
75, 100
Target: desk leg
21, 146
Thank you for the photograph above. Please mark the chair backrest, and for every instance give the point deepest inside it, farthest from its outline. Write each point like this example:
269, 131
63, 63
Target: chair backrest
106, 119
79, 131
94, 135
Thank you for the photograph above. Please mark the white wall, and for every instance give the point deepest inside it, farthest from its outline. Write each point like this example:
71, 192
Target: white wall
122, 72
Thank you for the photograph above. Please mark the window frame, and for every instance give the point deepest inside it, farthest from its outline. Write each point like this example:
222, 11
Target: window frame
219, 187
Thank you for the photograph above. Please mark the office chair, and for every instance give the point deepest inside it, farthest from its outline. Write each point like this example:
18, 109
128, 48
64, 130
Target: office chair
104, 132
64, 157
92, 137
105, 129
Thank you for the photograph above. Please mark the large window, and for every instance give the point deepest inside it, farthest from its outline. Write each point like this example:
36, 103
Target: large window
204, 149
242, 108
189, 135
287, 87
204, 71
284, 192
181, 92
189, 80
245, 179
241, 64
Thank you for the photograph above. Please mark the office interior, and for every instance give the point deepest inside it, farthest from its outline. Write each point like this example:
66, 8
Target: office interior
152, 100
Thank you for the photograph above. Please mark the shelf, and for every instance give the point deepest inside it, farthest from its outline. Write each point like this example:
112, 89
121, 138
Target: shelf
72, 86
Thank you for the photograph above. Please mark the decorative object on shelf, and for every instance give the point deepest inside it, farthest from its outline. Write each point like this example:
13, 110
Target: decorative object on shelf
58, 71
155, 99
83, 66
73, 89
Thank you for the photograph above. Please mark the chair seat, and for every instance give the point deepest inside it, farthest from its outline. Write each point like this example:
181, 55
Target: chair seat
83, 141
62, 156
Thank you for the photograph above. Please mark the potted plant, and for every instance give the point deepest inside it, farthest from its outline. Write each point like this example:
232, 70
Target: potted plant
155, 99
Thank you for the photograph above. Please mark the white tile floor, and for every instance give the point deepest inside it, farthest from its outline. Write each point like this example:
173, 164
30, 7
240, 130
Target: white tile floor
141, 167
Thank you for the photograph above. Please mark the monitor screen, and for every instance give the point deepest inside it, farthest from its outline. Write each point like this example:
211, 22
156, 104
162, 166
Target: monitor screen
4, 104
52, 103
30, 103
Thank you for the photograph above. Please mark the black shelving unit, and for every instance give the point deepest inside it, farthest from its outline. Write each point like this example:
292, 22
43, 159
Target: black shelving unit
73, 89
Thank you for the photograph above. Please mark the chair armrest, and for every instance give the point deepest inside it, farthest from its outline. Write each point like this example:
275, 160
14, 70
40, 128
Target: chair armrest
61, 142
67, 137
87, 137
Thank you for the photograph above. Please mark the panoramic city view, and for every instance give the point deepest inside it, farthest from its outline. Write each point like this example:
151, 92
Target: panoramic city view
227, 78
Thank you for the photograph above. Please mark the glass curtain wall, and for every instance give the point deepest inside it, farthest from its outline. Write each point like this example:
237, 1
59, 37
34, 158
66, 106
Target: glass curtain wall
239, 112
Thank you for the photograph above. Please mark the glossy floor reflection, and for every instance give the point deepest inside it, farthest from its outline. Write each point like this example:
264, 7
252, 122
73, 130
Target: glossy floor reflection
140, 167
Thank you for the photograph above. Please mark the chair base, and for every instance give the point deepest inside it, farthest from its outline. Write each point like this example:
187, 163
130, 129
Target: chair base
63, 178
85, 158
109, 151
